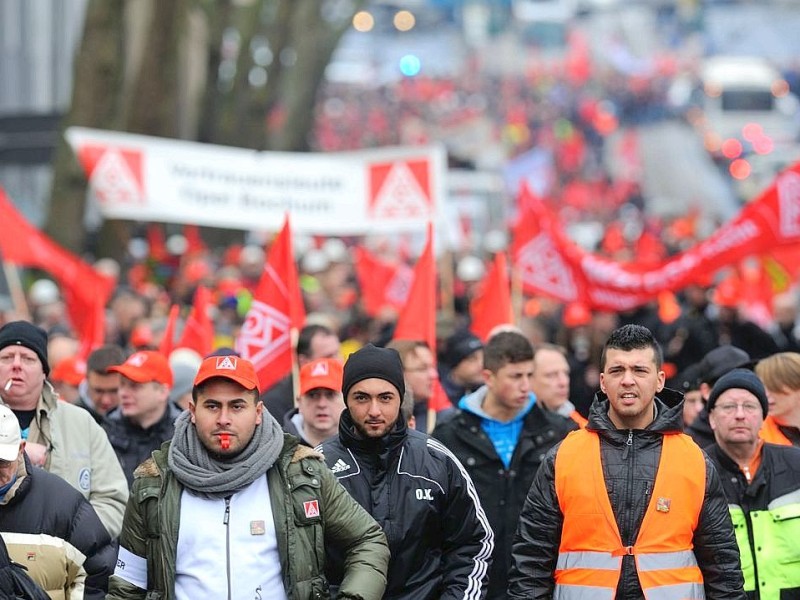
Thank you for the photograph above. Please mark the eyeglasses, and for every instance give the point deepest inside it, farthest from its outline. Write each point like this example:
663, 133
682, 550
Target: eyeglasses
729, 408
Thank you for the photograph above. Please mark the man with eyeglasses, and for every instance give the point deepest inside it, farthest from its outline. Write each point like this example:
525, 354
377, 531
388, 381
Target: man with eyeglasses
762, 485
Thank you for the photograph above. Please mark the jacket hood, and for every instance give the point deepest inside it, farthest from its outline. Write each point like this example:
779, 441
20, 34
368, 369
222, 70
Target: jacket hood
669, 413
473, 403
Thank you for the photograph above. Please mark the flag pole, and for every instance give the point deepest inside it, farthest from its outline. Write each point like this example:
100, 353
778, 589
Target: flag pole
517, 298
15, 290
294, 335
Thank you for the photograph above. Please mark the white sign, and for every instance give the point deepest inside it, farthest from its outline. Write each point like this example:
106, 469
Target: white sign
145, 178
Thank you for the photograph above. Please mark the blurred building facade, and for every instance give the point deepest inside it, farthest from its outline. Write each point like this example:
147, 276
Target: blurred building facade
38, 41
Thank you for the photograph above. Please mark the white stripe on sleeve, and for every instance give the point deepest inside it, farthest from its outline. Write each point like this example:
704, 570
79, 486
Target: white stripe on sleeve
131, 568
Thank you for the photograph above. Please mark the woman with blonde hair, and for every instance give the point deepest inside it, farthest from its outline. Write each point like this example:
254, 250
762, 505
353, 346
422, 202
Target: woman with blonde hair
780, 374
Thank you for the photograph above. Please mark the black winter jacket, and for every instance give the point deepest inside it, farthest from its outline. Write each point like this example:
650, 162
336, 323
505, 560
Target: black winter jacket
134, 445
43, 503
502, 490
630, 461
439, 537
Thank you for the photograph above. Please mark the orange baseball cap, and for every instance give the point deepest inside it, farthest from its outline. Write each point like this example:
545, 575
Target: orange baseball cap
321, 373
145, 366
71, 370
235, 368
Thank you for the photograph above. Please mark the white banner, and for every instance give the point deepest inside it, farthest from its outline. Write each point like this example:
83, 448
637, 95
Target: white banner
145, 178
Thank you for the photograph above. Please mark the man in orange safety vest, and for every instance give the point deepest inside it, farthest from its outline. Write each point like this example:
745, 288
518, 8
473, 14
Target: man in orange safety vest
628, 507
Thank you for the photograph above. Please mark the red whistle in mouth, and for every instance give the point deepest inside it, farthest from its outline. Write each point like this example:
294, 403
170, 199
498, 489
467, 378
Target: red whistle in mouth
225, 440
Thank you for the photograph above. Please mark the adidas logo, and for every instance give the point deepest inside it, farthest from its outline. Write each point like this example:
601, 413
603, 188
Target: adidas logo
339, 466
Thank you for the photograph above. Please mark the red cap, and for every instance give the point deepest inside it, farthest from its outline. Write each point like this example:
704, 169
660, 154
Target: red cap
145, 366
71, 370
321, 373
577, 314
235, 368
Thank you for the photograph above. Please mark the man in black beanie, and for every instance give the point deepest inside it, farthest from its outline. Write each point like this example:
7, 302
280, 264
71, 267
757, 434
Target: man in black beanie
439, 537
761, 483
62, 438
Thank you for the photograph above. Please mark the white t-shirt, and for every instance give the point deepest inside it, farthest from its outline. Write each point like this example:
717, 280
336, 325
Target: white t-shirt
243, 554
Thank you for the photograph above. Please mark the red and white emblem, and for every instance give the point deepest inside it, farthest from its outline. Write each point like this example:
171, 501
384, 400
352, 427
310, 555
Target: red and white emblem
264, 335
115, 174
400, 190
788, 188
544, 268
311, 508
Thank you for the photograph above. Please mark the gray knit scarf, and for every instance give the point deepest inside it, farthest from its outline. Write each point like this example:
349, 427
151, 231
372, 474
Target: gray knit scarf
211, 477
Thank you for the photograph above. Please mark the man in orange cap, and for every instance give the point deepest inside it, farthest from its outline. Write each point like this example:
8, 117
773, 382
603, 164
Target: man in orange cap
144, 418
320, 403
232, 507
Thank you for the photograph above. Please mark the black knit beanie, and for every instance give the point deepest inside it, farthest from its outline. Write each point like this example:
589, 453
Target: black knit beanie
740, 379
371, 361
26, 334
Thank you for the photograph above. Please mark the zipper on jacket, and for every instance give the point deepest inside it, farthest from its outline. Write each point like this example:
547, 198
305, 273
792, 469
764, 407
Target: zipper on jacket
628, 445
629, 491
226, 521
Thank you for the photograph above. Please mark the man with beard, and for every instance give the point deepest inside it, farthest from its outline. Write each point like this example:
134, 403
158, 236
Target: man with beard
439, 537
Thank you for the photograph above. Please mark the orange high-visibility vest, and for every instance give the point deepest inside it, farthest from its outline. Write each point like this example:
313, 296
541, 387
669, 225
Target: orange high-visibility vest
771, 433
591, 550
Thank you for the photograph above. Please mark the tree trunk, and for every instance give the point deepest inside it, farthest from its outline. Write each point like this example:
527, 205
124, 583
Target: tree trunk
95, 103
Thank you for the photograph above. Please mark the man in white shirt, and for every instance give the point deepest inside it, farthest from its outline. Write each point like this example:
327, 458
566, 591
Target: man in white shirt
233, 508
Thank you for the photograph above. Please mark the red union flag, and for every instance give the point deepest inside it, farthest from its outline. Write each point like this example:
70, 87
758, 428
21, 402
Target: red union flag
382, 284
277, 308
400, 189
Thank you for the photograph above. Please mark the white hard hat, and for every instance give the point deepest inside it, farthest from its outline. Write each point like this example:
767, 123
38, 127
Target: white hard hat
43, 291
314, 261
470, 268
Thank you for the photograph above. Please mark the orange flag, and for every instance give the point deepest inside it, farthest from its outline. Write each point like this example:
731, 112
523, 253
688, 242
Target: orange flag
167, 341
277, 309
491, 306
198, 333
417, 320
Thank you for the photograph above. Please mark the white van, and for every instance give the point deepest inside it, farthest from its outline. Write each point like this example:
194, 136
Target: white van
747, 90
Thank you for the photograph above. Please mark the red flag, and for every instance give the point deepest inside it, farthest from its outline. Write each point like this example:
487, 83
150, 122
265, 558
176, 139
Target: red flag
277, 308
156, 243
168, 340
382, 284
198, 333
491, 306
417, 320
194, 241
85, 290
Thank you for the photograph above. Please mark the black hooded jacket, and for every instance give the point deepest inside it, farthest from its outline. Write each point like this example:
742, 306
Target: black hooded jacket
630, 462
43, 503
439, 537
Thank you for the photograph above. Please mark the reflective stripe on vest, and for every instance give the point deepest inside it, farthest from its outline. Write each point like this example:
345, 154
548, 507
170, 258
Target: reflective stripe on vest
770, 433
591, 550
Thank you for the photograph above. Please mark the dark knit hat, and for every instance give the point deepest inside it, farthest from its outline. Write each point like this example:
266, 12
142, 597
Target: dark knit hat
371, 361
739, 379
459, 346
26, 334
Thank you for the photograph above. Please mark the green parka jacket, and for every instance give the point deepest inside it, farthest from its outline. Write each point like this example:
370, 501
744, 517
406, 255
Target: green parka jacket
152, 518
